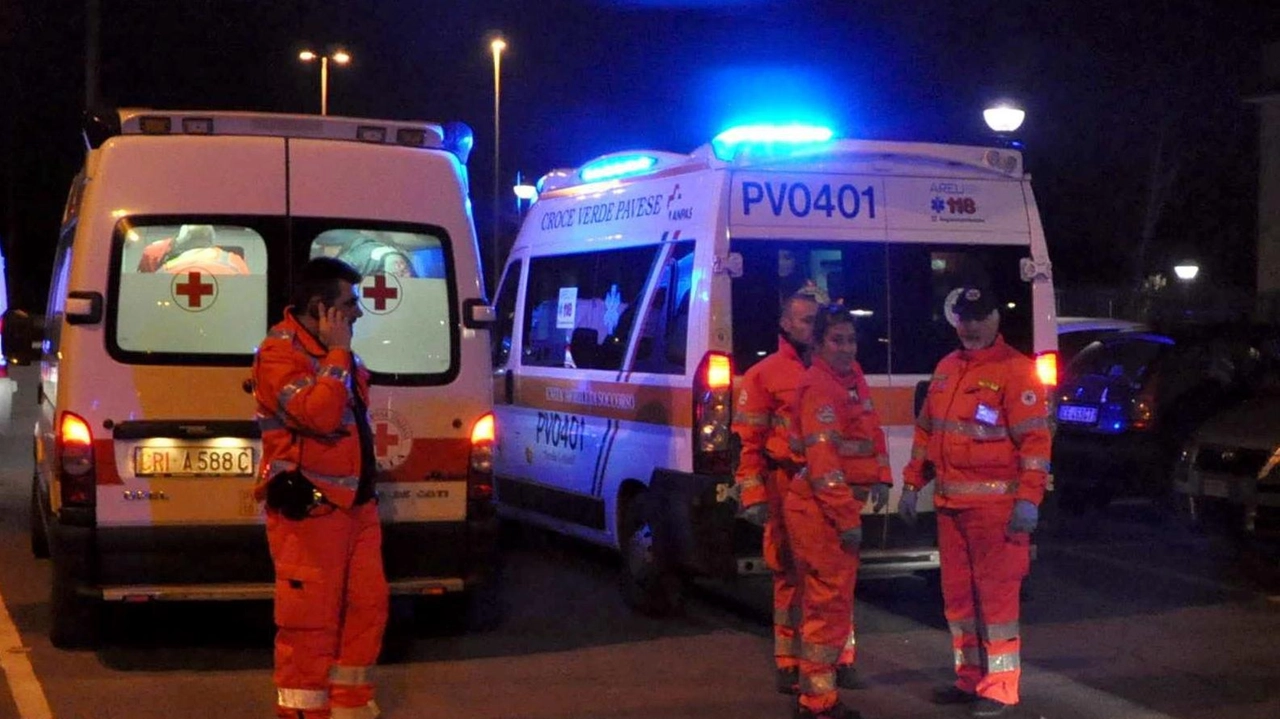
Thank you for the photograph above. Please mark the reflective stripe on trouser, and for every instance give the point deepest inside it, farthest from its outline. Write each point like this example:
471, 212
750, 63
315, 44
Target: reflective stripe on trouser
330, 599
350, 688
777, 555
982, 572
828, 575
367, 711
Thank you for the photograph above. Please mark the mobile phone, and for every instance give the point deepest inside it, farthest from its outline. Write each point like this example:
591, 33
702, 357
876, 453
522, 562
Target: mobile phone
313, 309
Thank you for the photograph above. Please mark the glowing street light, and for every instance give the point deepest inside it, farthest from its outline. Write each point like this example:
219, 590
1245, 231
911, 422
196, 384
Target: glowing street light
339, 57
1004, 117
1186, 271
497, 46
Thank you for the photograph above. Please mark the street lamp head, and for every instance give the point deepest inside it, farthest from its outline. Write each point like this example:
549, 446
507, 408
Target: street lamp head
498, 45
306, 56
526, 192
1004, 117
342, 57
1186, 271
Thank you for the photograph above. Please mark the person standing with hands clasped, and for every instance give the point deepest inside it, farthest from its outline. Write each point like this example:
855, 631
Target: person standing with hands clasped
846, 465
317, 478
766, 465
982, 436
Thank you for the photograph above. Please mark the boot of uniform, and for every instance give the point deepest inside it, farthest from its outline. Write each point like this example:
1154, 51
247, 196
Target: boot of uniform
952, 694
788, 680
987, 707
835, 711
847, 677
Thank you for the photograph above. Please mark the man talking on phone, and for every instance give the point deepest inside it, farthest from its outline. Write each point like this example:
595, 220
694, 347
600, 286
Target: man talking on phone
317, 478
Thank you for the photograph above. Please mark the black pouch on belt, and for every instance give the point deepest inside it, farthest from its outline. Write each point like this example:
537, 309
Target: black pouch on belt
291, 494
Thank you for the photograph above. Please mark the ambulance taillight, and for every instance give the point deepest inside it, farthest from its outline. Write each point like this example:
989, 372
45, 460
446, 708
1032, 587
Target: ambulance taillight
712, 414
480, 470
75, 460
1047, 368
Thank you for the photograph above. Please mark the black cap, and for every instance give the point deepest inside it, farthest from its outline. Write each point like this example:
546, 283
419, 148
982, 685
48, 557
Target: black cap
974, 303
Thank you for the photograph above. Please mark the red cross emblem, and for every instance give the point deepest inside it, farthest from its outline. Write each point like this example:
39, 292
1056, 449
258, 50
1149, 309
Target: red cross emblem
384, 439
380, 293
190, 289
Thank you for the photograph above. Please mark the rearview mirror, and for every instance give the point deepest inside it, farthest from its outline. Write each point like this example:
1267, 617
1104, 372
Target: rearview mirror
476, 315
21, 336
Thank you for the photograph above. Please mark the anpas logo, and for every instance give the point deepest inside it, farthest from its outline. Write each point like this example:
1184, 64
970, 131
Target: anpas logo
680, 213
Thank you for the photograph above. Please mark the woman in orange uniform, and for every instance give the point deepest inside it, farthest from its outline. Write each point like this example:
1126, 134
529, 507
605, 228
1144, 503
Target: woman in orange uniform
847, 466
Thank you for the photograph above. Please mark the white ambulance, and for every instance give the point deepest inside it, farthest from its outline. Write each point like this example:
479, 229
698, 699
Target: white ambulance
179, 240
643, 284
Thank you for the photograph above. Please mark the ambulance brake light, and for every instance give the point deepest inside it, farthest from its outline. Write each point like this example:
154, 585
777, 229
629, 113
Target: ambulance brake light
770, 138
483, 431
719, 372
1047, 368
74, 446
613, 167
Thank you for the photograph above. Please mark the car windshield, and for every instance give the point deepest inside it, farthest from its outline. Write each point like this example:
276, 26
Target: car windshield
1127, 358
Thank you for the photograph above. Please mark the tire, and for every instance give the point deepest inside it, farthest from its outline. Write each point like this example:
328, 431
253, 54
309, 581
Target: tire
648, 587
38, 532
74, 616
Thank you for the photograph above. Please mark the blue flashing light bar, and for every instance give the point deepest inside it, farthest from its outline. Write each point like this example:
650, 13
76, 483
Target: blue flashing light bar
774, 138
615, 166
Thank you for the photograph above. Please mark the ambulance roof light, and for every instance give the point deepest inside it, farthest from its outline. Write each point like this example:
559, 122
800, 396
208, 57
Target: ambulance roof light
612, 167
771, 137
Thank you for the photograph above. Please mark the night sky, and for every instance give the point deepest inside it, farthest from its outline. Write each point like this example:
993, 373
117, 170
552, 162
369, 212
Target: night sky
1100, 80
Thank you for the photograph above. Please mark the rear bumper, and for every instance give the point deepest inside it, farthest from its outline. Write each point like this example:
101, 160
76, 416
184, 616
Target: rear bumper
212, 563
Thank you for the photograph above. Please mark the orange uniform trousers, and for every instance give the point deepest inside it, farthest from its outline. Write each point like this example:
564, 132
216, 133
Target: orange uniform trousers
828, 575
982, 571
331, 602
778, 557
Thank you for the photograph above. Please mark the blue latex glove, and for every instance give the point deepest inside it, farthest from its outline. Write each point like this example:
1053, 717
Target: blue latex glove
851, 539
907, 505
757, 514
879, 496
1025, 517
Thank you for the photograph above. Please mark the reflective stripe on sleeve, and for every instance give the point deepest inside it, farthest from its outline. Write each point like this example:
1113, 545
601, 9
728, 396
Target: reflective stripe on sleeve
280, 335
268, 423
856, 448
336, 372
302, 698
827, 436
291, 389
1033, 463
755, 419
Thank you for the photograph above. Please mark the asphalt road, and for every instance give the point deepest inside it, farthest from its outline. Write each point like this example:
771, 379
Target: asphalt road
1128, 616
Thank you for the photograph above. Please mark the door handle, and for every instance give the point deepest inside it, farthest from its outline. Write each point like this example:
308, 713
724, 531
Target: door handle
509, 386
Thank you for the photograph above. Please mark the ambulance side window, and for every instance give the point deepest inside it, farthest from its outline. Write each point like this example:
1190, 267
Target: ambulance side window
580, 308
660, 347
504, 328
57, 304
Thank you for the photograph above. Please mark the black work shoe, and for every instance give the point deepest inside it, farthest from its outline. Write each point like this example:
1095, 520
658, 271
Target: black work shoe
835, 711
985, 707
952, 695
847, 677
788, 680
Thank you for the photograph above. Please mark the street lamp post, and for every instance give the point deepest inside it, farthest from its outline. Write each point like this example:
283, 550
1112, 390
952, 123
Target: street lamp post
497, 46
340, 57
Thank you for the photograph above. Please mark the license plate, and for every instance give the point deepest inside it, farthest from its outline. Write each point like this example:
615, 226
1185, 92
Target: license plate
1216, 488
1076, 413
193, 461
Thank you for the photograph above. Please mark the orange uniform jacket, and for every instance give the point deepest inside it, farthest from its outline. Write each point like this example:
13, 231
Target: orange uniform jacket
984, 427
843, 441
305, 411
762, 419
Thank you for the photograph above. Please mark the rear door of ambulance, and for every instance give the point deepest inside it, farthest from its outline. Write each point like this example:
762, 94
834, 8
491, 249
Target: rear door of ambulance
430, 376
157, 384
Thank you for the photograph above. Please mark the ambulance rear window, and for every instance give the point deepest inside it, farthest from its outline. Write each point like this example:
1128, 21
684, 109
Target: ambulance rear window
407, 334
191, 291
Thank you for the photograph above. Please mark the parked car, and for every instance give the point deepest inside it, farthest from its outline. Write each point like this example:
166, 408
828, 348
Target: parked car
7, 385
1128, 401
1076, 333
1228, 472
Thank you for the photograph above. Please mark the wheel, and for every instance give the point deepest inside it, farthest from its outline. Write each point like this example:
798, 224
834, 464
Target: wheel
39, 534
648, 587
74, 616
